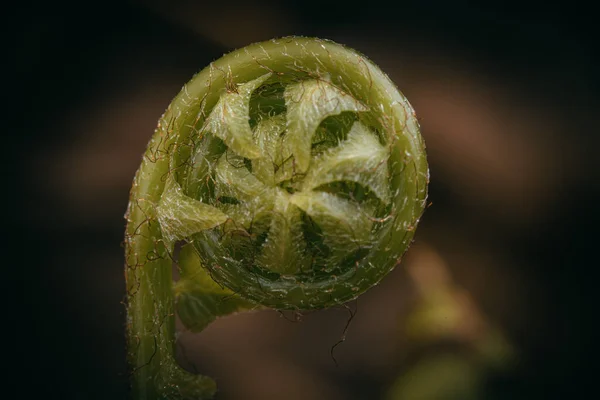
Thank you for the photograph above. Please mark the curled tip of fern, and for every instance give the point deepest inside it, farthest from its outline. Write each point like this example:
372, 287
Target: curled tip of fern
295, 172
311, 161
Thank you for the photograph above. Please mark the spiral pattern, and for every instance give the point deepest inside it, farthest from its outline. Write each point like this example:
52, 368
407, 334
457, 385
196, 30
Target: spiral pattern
297, 187
294, 168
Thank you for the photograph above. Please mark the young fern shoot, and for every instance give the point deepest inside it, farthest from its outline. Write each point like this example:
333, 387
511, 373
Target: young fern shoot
293, 174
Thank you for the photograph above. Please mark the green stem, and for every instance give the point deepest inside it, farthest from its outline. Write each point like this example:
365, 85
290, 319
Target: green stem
295, 171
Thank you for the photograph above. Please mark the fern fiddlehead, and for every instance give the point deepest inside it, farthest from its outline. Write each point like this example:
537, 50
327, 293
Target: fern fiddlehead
294, 175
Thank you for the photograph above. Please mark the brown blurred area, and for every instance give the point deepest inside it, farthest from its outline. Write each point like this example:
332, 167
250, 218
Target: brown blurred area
494, 300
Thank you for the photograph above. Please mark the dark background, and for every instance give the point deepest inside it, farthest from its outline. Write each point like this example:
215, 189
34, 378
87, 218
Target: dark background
507, 100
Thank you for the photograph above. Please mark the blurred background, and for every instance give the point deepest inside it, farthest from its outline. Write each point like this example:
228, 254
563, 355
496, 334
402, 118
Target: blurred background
496, 298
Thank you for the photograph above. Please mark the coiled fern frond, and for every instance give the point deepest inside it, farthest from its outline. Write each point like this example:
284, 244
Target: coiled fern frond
292, 172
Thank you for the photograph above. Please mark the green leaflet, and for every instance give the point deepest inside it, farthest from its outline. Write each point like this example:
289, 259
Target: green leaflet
229, 119
234, 180
181, 216
240, 194
308, 103
284, 249
360, 158
249, 214
199, 182
199, 299
345, 225
276, 164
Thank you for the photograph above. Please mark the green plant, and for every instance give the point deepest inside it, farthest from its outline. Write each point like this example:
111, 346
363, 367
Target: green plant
291, 173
